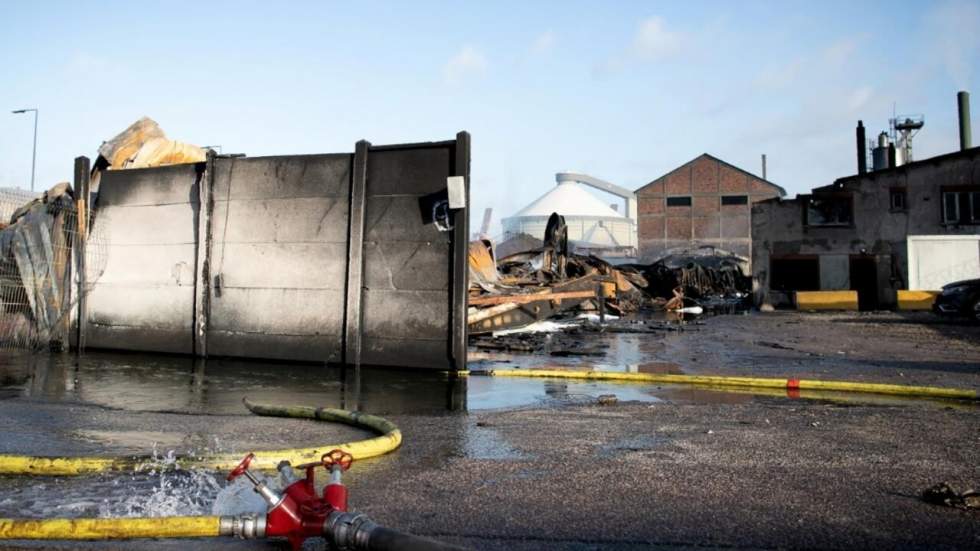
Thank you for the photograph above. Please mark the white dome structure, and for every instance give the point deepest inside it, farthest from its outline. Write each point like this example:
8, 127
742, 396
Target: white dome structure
592, 224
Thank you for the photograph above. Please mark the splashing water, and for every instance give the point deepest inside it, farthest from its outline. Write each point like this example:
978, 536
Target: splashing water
160, 489
239, 496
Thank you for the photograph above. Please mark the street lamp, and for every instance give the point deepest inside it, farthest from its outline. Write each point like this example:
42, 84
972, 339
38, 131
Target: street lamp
33, 153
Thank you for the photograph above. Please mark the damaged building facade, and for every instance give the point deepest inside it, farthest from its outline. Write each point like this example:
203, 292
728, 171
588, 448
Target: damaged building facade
855, 234
705, 202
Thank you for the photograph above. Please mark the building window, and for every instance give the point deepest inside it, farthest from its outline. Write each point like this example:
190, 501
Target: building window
896, 199
679, 201
828, 211
961, 207
734, 199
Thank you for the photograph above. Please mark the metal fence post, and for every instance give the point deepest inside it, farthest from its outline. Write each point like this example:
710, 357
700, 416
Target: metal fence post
82, 200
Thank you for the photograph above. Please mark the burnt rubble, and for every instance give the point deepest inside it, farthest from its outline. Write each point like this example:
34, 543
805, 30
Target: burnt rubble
549, 282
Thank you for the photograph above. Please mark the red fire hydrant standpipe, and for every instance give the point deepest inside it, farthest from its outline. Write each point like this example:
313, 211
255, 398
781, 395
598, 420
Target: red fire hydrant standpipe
299, 513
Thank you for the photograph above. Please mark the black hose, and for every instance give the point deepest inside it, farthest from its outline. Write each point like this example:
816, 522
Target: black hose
356, 531
386, 539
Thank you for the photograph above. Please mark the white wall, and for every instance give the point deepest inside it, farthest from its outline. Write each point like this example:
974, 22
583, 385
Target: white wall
935, 260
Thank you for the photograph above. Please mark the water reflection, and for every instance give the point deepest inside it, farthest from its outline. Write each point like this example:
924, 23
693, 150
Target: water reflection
161, 383
216, 387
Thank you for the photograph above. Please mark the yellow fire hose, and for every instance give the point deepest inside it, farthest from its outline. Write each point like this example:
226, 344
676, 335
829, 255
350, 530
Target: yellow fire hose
389, 439
740, 382
110, 528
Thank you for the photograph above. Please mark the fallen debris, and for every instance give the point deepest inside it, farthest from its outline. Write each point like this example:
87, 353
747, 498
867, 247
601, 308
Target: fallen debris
944, 494
606, 399
547, 282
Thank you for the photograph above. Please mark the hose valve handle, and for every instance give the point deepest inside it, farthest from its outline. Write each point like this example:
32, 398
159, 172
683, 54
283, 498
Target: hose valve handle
337, 459
242, 468
270, 497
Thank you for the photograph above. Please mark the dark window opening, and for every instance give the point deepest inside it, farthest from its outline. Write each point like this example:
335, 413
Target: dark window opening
961, 207
734, 199
794, 274
678, 201
897, 199
828, 211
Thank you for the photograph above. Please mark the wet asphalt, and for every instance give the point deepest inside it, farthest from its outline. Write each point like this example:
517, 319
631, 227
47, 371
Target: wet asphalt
686, 469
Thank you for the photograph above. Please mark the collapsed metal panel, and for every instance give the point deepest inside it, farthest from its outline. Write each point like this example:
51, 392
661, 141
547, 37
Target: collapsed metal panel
277, 257
144, 299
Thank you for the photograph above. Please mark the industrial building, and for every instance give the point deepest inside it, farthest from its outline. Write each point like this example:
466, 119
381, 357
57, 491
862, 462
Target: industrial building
593, 226
703, 202
906, 224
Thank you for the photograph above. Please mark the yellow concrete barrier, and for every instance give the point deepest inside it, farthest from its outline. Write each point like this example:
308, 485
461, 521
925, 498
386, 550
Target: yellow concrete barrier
826, 300
915, 300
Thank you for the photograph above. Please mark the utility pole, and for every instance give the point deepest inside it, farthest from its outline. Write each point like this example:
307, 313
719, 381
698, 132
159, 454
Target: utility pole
34, 152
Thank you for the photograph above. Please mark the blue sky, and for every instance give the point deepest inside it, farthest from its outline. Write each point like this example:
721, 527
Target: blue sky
625, 91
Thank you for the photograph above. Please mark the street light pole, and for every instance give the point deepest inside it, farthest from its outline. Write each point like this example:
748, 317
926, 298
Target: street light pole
34, 152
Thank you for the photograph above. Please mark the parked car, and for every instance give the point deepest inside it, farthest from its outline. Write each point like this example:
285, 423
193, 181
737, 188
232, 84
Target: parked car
960, 298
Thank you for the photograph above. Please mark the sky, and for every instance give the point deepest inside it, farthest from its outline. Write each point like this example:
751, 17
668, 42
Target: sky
624, 91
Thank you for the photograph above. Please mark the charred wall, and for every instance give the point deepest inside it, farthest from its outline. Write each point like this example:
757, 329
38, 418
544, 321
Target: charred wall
877, 232
326, 258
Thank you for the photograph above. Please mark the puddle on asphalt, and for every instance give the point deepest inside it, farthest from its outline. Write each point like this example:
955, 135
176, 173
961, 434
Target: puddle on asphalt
143, 382
137, 440
140, 382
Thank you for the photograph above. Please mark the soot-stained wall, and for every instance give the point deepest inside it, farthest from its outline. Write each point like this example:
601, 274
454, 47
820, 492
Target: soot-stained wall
265, 258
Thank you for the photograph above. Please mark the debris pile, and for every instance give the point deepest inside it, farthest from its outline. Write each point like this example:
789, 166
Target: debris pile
548, 281
41, 240
703, 272
540, 283
35, 271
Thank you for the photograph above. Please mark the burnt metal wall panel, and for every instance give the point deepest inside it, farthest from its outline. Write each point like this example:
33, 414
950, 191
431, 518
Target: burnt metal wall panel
278, 248
144, 300
406, 260
265, 268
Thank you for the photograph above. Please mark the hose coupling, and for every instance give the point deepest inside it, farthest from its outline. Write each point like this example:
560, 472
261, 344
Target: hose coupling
348, 531
243, 526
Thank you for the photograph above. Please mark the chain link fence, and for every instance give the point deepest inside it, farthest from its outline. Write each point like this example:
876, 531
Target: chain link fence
41, 259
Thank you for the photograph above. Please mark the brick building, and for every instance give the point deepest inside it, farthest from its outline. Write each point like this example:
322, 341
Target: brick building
703, 202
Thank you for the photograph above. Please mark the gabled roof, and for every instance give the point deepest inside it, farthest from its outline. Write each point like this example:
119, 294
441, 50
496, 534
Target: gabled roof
782, 192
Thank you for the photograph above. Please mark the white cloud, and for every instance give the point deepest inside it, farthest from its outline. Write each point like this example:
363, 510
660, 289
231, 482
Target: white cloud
467, 63
544, 43
654, 41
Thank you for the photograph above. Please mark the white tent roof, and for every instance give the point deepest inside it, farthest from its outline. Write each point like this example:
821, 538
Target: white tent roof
568, 199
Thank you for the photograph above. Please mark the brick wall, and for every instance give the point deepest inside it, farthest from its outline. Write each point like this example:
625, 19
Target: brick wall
706, 221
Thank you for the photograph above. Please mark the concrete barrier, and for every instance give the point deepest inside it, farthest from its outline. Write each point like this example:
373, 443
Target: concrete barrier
826, 300
915, 300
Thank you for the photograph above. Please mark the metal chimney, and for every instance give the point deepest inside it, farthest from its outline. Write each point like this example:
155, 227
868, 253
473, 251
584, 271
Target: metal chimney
966, 138
763, 166
861, 149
